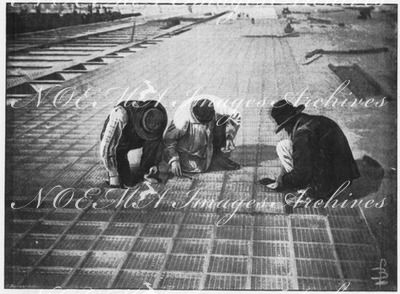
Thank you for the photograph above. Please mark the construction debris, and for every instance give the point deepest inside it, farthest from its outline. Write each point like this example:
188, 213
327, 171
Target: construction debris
357, 51
365, 13
312, 60
330, 10
319, 20
296, 34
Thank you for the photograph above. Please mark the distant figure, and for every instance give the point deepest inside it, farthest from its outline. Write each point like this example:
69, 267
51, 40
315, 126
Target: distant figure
365, 13
286, 11
84, 18
200, 135
288, 29
24, 10
132, 125
252, 21
317, 159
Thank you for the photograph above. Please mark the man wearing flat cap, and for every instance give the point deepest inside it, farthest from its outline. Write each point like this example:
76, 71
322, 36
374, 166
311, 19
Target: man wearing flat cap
201, 135
317, 157
132, 125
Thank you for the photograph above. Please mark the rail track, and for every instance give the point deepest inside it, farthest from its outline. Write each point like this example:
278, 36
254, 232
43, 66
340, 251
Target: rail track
36, 62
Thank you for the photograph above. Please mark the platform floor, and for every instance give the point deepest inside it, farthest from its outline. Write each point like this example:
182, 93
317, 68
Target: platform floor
107, 245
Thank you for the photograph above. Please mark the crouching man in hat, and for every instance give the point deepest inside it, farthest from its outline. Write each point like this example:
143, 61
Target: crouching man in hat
317, 159
201, 135
133, 125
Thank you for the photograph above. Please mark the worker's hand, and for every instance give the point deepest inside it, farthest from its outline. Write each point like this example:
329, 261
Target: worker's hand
229, 146
153, 170
176, 168
273, 186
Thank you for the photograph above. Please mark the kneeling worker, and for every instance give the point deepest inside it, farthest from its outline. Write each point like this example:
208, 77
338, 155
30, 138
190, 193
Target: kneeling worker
201, 135
133, 125
316, 159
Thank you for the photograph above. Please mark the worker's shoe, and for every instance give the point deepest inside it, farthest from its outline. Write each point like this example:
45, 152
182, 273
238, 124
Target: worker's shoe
227, 164
119, 186
266, 181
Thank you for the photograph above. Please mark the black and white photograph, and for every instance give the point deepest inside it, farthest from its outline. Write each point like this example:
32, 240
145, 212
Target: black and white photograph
209, 146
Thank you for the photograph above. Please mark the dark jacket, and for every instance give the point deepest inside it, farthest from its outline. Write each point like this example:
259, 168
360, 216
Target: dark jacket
322, 158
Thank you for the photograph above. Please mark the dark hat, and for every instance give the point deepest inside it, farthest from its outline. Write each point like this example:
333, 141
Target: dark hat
149, 119
283, 112
203, 110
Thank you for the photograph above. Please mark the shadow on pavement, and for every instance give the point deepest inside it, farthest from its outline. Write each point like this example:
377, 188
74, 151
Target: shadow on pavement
372, 174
